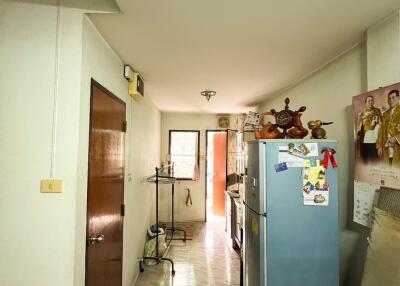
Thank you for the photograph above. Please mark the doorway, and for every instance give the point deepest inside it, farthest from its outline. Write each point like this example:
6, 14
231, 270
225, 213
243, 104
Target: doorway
216, 162
105, 195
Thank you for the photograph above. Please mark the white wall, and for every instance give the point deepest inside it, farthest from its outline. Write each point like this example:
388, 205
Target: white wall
142, 151
187, 121
383, 52
38, 230
43, 235
328, 96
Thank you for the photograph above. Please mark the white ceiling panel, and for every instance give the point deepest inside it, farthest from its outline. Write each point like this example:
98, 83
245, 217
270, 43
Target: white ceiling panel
244, 50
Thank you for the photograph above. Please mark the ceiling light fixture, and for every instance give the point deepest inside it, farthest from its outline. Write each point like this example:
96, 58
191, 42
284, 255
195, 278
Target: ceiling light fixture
208, 93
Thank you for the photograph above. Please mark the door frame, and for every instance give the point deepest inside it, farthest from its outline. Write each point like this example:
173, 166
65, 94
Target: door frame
94, 83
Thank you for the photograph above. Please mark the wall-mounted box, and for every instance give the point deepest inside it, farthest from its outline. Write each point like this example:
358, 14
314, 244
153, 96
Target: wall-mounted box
136, 84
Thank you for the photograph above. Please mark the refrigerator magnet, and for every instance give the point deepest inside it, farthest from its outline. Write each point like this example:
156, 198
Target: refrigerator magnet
313, 162
281, 167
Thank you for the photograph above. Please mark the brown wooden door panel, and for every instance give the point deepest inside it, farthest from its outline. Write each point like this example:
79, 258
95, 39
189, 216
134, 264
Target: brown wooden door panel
105, 188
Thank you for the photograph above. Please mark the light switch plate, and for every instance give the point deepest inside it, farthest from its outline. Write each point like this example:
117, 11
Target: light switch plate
51, 186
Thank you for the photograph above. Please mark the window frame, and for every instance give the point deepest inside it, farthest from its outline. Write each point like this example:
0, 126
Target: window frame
198, 150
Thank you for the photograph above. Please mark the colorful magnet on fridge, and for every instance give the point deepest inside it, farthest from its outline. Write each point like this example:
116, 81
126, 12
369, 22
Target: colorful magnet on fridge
308, 187
281, 167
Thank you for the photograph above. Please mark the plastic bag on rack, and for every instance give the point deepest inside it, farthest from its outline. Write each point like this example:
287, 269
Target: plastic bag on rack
150, 249
152, 231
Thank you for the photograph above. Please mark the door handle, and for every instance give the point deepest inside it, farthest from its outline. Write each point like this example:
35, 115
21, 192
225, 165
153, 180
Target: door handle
254, 182
95, 239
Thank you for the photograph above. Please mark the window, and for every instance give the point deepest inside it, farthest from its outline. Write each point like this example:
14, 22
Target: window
184, 151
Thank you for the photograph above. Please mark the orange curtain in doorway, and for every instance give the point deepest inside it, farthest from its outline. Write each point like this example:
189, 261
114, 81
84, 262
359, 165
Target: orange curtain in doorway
219, 180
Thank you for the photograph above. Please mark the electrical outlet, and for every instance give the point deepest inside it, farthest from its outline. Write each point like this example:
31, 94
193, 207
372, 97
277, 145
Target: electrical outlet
51, 186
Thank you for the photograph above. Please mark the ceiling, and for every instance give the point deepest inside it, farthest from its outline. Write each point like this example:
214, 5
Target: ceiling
94, 6
244, 50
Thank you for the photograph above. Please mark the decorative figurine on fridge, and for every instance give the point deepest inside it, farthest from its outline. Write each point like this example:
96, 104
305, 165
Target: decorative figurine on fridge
285, 119
289, 121
267, 131
297, 131
317, 132
261, 130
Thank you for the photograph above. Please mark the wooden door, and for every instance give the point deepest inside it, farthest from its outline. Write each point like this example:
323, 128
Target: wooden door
105, 189
219, 180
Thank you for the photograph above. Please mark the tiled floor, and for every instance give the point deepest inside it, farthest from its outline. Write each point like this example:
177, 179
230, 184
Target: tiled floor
205, 260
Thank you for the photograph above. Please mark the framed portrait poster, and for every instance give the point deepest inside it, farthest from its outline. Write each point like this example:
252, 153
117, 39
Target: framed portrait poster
377, 136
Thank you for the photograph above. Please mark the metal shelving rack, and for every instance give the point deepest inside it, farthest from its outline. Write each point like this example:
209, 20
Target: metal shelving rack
162, 177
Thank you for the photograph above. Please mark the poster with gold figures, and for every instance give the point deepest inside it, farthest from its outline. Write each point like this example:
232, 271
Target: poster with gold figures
377, 136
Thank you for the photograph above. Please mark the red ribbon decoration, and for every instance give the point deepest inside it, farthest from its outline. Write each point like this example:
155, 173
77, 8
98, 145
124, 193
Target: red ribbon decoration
329, 154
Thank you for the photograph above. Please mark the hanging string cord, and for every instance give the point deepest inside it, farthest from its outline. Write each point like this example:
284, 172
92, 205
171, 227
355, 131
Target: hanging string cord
55, 92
